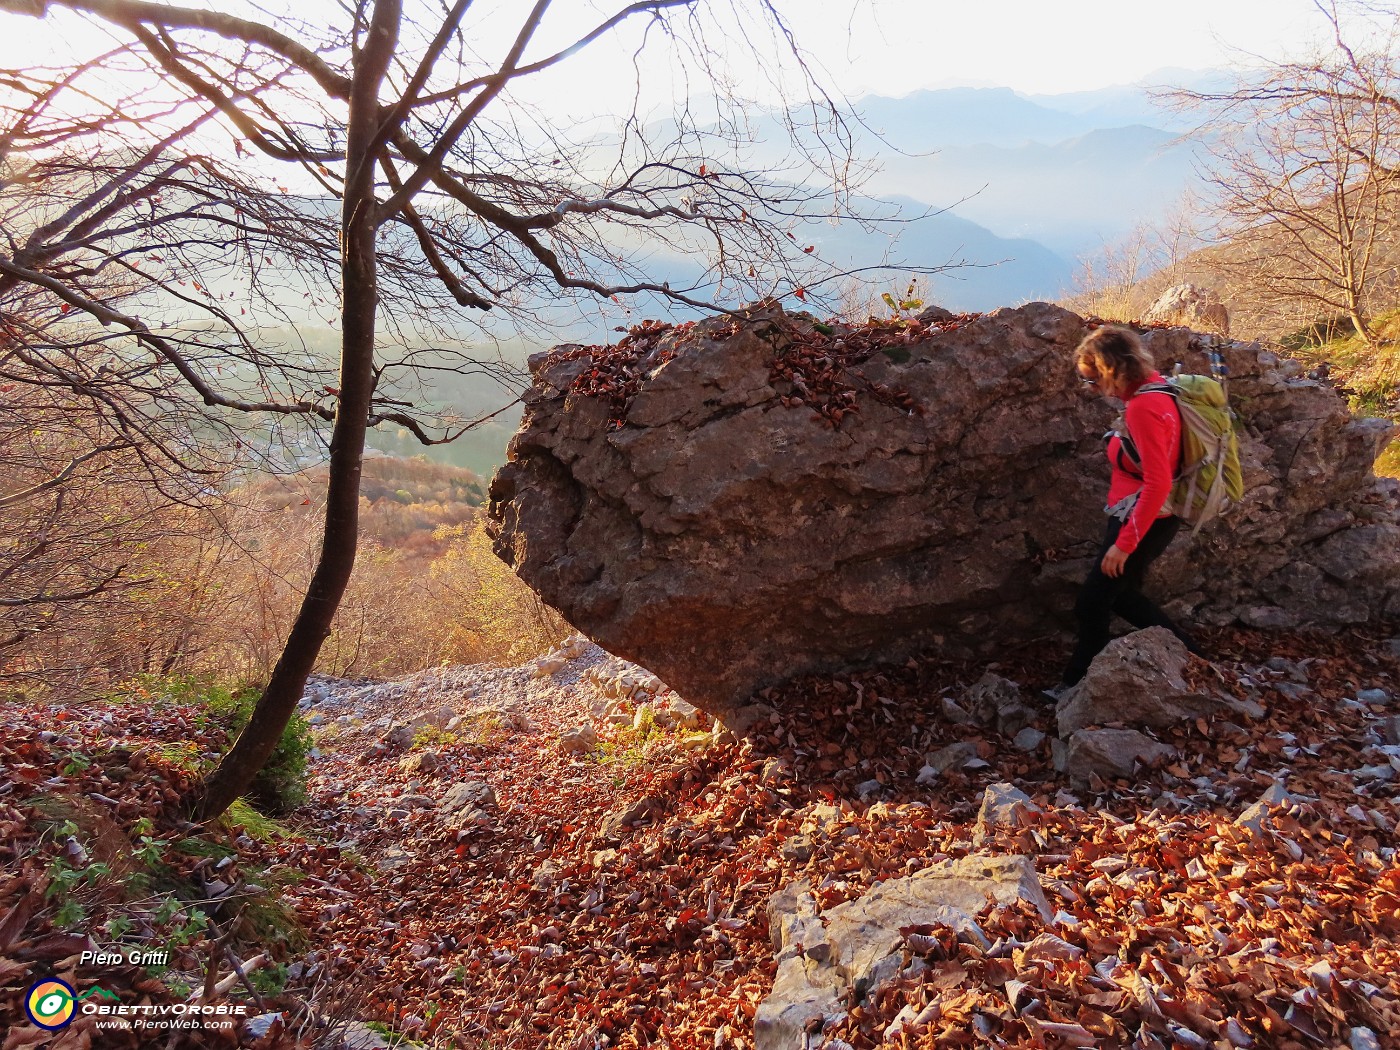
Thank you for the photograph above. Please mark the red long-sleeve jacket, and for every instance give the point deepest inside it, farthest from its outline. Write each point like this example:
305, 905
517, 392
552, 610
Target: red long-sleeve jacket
1155, 428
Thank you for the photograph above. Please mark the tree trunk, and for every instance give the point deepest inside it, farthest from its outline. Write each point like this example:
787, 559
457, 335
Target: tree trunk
1363, 328
359, 301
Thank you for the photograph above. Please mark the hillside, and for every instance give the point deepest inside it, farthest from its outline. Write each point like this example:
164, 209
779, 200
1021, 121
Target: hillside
499, 883
404, 500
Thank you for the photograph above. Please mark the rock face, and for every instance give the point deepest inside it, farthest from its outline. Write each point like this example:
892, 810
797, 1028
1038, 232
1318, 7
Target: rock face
1192, 306
736, 502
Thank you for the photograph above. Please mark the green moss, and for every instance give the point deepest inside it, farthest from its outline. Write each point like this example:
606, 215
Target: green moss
244, 816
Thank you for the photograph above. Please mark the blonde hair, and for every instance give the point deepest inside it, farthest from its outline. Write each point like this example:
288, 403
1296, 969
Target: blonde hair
1117, 353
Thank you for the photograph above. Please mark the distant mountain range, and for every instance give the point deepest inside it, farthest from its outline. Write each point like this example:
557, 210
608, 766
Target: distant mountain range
1031, 184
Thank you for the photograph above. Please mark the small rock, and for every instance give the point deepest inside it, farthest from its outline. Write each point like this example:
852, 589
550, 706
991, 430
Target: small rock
579, 741
615, 824
676, 712
750, 720
954, 756
357, 1036
1390, 729
1364, 1039
426, 762
1003, 804
1253, 817
996, 701
955, 714
1373, 696
822, 818
1029, 739
467, 794
546, 875
799, 848
869, 789
393, 858
775, 771
1137, 680
548, 665
403, 734
1380, 774
1110, 752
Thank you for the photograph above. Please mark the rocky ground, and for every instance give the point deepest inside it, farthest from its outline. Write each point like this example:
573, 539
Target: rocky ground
564, 854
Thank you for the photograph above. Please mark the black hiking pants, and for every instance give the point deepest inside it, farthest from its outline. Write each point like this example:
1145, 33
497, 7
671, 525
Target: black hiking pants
1101, 596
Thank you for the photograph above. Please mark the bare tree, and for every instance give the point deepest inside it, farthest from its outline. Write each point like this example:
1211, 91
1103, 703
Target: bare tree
1304, 178
1121, 279
212, 161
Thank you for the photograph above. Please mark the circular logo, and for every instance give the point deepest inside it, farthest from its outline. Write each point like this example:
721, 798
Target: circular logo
50, 1004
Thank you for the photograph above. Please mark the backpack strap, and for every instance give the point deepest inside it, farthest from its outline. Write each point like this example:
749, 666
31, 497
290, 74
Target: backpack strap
1126, 445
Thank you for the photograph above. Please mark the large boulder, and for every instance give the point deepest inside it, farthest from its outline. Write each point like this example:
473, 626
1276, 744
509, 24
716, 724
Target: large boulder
735, 502
1192, 306
1138, 680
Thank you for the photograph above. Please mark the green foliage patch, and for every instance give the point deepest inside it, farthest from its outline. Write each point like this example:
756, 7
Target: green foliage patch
1369, 377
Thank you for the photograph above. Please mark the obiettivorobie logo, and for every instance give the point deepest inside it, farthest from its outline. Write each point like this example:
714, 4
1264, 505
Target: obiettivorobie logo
51, 1003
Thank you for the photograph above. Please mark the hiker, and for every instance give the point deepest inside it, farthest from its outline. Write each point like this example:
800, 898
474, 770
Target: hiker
1144, 464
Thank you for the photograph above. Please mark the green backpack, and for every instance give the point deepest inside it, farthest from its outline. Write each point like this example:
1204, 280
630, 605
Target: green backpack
1209, 479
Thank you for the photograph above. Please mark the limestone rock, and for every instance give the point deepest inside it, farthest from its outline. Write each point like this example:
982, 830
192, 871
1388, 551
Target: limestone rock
580, 740
466, 795
403, 734
1110, 752
799, 848
997, 701
1137, 680
615, 825
673, 711
421, 762
954, 756
717, 531
843, 955
807, 993
1003, 804
1029, 739
1390, 729
1253, 818
1192, 306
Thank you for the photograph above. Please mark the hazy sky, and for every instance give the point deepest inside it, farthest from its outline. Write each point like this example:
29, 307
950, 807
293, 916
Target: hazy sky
892, 47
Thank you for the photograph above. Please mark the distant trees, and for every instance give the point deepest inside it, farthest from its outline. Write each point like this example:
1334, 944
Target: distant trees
217, 172
1305, 178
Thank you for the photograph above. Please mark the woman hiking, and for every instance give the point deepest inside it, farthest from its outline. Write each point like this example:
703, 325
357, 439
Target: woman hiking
1144, 463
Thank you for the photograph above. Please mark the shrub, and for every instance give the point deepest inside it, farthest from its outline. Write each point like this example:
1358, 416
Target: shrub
280, 785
